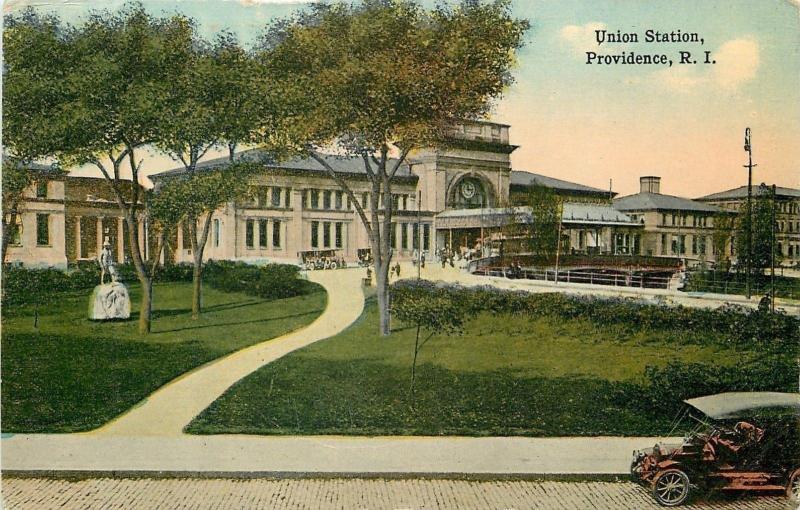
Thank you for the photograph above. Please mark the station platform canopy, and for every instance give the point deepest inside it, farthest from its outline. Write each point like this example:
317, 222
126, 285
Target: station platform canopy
573, 215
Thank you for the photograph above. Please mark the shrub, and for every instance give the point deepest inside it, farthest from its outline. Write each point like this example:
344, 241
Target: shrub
273, 281
667, 387
729, 324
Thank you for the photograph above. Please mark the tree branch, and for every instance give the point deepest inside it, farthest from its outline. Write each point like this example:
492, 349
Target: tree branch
403, 155
342, 184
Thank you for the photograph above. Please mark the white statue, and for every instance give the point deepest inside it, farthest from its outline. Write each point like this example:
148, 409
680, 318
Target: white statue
106, 260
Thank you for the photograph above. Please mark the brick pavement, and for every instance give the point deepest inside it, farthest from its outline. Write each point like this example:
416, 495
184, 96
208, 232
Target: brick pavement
345, 494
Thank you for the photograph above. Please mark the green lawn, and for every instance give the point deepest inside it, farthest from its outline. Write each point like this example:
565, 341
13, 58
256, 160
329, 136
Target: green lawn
505, 376
72, 374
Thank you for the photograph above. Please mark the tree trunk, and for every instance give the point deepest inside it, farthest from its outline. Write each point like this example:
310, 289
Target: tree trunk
414, 363
144, 276
382, 286
197, 287
146, 308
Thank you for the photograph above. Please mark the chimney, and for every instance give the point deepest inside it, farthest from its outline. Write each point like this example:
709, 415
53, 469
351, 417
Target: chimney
650, 184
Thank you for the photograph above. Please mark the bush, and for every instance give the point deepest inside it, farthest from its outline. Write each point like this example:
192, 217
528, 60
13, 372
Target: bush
729, 325
667, 387
273, 281
23, 285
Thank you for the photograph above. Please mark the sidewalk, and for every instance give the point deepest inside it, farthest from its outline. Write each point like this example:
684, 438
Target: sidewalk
248, 456
173, 406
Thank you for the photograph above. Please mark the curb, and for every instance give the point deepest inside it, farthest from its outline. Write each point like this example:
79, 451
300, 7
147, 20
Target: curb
294, 475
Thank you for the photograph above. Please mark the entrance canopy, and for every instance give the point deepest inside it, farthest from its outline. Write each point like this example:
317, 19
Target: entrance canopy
573, 214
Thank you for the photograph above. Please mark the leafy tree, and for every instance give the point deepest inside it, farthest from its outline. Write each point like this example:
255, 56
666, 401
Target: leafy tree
16, 179
724, 225
34, 49
760, 256
545, 219
193, 198
95, 95
379, 78
434, 312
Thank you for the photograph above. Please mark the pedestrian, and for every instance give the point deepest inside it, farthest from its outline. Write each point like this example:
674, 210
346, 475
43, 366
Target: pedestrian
422, 260
397, 269
765, 303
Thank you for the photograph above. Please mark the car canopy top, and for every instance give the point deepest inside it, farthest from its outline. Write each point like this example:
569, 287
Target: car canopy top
743, 405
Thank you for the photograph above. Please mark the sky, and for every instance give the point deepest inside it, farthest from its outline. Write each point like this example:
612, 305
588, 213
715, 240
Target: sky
598, 124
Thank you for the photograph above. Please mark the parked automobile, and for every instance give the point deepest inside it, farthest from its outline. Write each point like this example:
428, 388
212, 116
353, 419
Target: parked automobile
747, 441
322, 259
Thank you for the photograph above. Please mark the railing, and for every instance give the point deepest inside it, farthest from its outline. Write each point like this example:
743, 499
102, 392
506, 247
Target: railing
587, 276
784, 287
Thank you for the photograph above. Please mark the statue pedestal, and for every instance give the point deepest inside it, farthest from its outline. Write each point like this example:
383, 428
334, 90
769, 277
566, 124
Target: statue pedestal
110, 301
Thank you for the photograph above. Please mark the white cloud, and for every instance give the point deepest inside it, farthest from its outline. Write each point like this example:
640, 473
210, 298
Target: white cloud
581, 37
737, 62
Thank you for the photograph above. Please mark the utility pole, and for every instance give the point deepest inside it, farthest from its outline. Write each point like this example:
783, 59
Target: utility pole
749, 148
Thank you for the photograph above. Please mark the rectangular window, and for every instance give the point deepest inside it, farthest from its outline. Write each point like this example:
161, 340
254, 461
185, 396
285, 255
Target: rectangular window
365, 200
217, 232
694, 245
702, 245
682, 244
276, 234
262, 233
261, 196
288, 199
339, 199
663, 244
673, 219
393, 235
404, 236
415, 237
186, 236
276, 197
339, 229
426, 236
42, 229
315, 199
315, 234
14, 230
326, 234
326, 200
249, 233
349, 205
41, 189
663, 219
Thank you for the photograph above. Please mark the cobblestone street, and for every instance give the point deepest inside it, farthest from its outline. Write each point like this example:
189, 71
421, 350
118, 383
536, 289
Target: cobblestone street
323, 494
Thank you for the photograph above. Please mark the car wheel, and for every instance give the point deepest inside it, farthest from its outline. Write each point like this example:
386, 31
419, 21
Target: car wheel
671, 487
793, 487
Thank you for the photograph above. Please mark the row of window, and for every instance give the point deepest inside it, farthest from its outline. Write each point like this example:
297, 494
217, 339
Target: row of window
42, 230
326, 227
335, 200
681, 220
271, 196
414, 229
677, 245
788, 226
263, 228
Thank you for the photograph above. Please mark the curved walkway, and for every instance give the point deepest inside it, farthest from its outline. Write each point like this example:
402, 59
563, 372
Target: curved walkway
167, 411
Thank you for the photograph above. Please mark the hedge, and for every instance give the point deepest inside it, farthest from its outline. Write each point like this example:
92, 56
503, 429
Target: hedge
272, 281
730, 324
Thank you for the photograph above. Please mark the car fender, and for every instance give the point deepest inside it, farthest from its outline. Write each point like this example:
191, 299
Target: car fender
669, 464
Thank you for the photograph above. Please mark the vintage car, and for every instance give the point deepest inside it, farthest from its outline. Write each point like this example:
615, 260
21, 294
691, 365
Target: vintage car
322, 259
748, 441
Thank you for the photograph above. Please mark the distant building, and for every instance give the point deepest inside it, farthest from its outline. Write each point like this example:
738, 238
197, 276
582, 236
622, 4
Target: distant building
673, 226
787, 215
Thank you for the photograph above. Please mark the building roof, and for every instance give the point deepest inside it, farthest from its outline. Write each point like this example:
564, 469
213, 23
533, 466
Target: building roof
523, 178
741, 192
341, 164
656, 201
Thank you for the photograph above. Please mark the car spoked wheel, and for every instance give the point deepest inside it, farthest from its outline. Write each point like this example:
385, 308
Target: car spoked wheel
671, 487
793, 487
